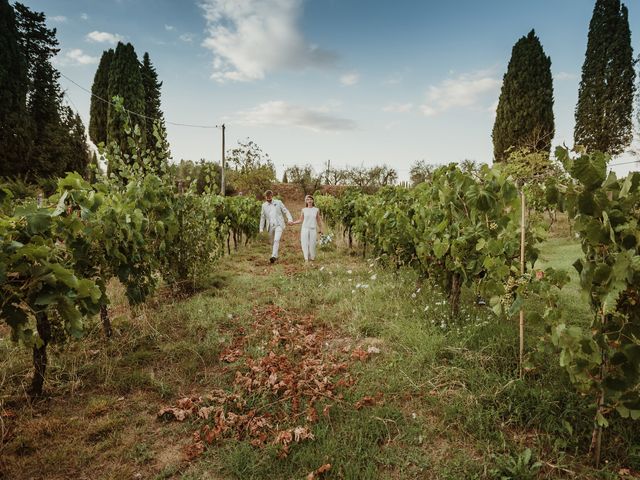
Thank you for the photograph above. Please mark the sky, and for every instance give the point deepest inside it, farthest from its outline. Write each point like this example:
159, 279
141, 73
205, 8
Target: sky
353, 82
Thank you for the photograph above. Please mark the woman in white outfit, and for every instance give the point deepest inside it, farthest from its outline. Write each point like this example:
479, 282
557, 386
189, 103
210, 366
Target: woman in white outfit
311, 220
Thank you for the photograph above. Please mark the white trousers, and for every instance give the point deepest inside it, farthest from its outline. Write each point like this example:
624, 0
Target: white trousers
275, 233
308, 237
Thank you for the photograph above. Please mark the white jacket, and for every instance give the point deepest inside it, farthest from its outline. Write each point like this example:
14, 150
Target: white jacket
273, 214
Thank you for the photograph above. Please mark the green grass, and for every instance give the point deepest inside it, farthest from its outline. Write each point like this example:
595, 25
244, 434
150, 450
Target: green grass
452, 406
561, 253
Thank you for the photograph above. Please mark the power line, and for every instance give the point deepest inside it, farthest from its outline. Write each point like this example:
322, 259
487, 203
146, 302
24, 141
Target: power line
135, 113
189, 125
69, 100
624, 163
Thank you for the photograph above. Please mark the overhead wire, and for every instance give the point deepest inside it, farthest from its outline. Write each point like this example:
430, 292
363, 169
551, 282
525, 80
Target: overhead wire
190, 125
625, 163
140, 115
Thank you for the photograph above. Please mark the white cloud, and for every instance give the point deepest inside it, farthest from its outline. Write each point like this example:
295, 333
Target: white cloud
251, 38
283, 114
398, 107
84, 16
76, 57
59, 19
169, 28
104, 37
465, 90
350, 79
565, 76
187, 37
393, 79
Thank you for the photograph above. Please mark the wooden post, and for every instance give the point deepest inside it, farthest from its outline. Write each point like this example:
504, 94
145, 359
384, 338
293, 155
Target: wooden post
596, 437
222, 164
522, 265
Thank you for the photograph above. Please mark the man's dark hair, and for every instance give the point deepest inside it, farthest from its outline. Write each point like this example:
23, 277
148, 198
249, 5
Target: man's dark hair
268, 193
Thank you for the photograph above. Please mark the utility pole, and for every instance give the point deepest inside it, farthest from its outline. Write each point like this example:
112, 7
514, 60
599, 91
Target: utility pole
222, 165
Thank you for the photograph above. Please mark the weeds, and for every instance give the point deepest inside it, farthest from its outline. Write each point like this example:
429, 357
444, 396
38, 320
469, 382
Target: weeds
445, 400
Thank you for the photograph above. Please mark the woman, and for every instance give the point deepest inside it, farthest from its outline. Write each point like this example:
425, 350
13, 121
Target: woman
310, 219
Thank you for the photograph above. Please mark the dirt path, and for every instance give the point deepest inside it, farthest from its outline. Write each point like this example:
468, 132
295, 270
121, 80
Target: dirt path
286, 372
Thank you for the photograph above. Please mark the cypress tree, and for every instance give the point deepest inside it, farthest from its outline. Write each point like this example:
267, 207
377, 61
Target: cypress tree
524, 117
39, 45
44, 99
13, 94
56, 146
605, 99
99, 108
125, 81
78, 156
93, 169
152, 98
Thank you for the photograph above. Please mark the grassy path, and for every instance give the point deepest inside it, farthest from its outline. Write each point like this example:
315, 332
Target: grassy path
336, 370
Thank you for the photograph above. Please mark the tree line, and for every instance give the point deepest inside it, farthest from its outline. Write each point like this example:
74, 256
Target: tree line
39, 135
365, 178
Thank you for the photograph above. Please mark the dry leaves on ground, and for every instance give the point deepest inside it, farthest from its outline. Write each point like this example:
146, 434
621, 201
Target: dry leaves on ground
319, 471
295, 379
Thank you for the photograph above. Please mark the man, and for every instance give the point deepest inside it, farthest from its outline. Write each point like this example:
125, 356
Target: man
272, 218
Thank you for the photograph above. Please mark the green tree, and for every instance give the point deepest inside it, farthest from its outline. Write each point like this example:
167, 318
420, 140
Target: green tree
151, 99
99, 100
605, 99
93, 169
371, 179
13, 94
57, 134
383, 176
44, 97
204, 176
420, 172
253, 171
358, 177
125, 81
524, 117
39, 45
336, 176
78, 156
305, 177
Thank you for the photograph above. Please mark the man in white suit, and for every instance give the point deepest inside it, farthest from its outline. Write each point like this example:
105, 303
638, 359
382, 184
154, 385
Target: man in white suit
272, 218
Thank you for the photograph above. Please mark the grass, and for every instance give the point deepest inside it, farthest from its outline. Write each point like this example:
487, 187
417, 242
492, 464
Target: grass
560, 253
450, 404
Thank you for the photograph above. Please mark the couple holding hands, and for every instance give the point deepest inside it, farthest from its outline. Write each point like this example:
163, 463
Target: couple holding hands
272, 219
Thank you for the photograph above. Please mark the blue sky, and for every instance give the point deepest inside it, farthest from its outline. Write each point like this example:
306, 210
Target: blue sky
356, 82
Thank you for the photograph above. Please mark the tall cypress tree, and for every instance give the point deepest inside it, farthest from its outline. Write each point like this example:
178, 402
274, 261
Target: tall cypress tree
152, 97
125, 81
77, 152
605, 99
99, 107
524, 117
53, 127
44, 99
13, 94
40, 45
